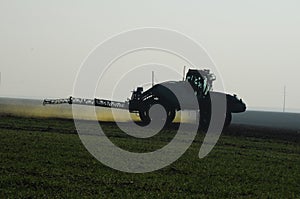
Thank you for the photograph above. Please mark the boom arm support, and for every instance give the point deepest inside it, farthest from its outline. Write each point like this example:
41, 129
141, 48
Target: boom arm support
89, 102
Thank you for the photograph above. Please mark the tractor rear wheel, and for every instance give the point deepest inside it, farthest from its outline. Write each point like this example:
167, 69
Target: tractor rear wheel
145, 117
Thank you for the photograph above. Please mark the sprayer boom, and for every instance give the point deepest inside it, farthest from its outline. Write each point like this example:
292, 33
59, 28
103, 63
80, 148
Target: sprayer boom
90, 102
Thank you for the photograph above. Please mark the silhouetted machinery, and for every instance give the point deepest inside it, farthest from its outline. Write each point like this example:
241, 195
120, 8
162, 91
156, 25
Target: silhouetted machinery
163, 94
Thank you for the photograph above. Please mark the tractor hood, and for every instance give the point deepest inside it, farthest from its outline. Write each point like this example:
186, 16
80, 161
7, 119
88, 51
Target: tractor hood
235, 105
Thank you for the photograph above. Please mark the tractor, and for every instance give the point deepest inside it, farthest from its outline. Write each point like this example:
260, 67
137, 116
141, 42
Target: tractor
162, 94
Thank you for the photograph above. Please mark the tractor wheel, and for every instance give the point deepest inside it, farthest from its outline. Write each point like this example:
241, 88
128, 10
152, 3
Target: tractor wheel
205, 117
227, 120
171, 116
145, 116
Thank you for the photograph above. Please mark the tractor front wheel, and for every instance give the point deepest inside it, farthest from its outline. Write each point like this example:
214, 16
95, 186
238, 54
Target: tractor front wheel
227, 120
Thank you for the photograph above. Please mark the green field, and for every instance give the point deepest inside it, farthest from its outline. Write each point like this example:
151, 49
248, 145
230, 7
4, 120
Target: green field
45, 158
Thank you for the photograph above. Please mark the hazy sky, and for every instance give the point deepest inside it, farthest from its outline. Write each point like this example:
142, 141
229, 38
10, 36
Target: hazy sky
255, 44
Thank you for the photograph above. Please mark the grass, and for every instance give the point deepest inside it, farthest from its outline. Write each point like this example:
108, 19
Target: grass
45, 158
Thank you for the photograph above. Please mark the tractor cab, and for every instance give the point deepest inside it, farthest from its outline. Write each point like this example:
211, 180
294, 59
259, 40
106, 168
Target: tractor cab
200, 80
